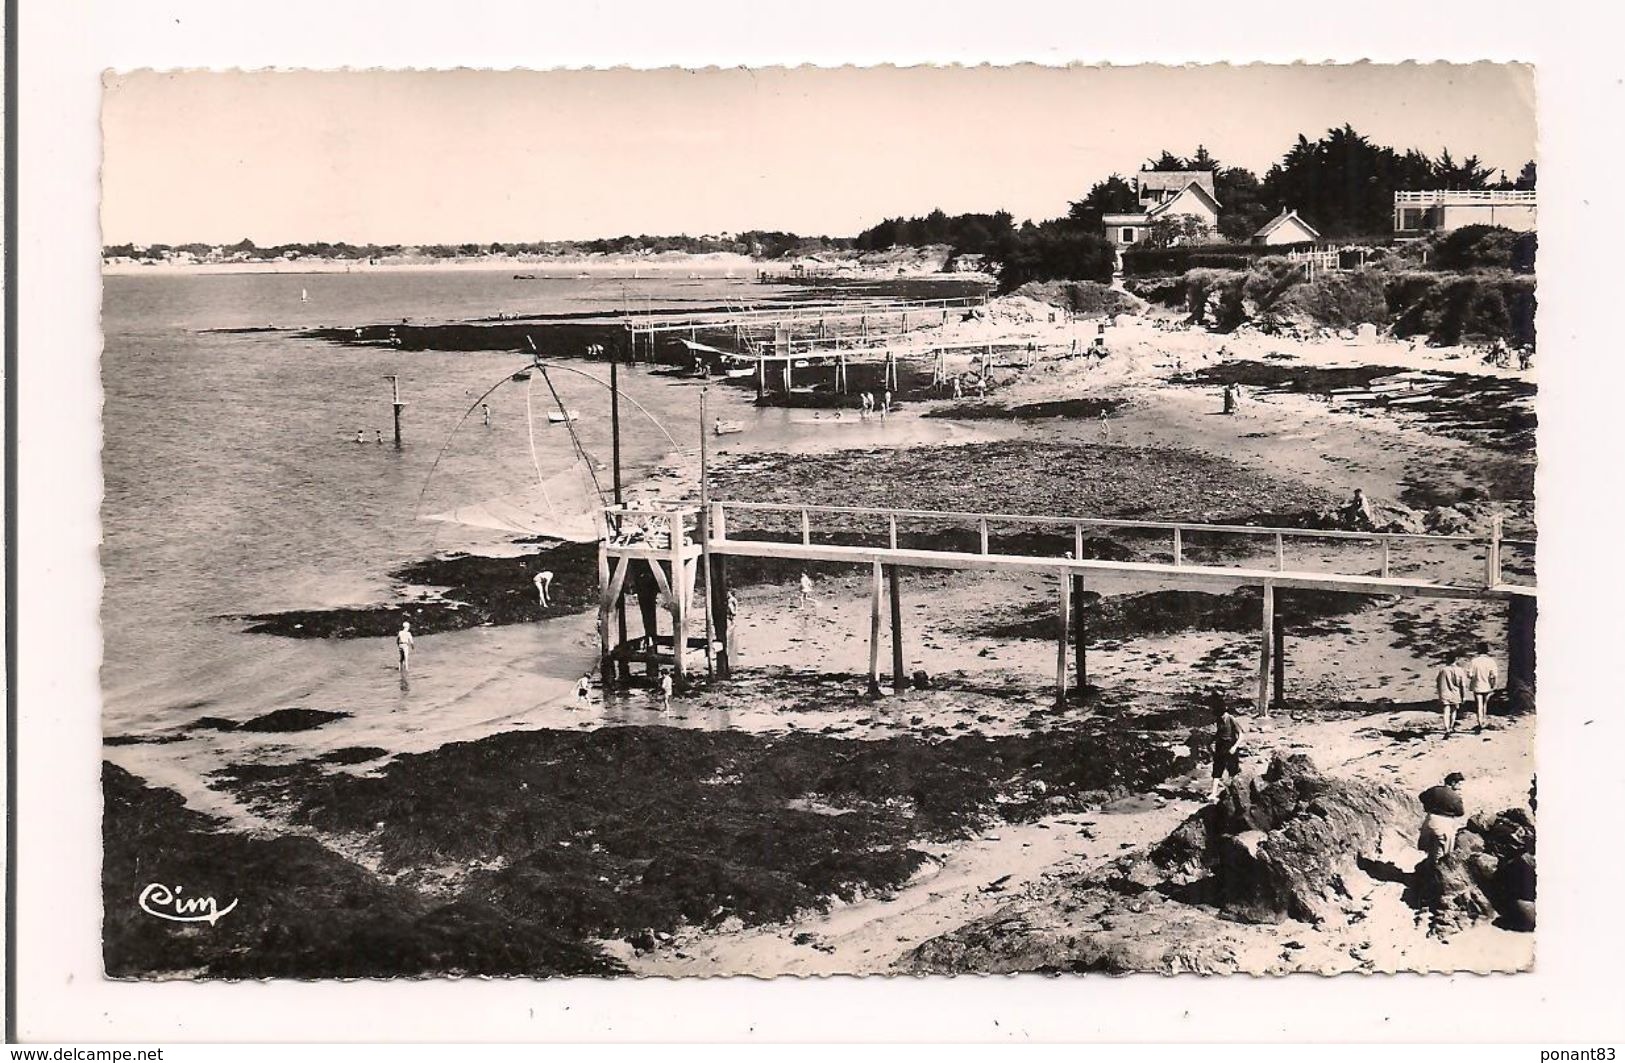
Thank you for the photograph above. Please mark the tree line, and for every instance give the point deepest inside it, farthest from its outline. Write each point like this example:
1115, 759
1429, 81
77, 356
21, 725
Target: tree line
758, 243
1343, 184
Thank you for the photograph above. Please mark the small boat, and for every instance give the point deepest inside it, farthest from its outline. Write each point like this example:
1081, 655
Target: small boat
728, 428
555, 417
736, 374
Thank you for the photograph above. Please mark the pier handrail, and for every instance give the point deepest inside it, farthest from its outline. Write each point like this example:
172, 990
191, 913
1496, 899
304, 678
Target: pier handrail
668, 322
1492, 542
1110, 522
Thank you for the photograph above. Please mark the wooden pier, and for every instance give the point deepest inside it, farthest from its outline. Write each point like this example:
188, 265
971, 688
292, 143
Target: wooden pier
670, 543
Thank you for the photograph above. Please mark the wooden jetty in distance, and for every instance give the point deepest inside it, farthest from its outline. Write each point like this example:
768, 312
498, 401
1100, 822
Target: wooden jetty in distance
661, 551
781, 323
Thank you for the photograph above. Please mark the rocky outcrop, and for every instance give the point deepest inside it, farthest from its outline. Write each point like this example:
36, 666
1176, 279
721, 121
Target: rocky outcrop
1488, 874
1283, 845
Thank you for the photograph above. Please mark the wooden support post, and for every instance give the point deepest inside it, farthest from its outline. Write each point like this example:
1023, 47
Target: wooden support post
891, 528
983, 528
1387, 557
703, 529
1278, 632
1492, 554
1080, 637
679, 594
397, 405
874, 635
1077, 541
1521, 616
1061, 644
806, 530
605, 665
1179, 547
761, 376
718, 528
1266, 639
1280, 552
899, 681
649, 611
787, 379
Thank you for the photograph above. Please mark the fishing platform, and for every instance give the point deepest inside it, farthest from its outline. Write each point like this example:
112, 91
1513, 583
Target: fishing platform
665, 551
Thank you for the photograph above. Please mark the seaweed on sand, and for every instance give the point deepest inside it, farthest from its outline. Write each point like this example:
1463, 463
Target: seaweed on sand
301, 910
607, 832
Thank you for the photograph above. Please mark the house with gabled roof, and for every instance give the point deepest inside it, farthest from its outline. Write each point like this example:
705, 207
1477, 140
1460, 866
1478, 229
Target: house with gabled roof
1286, 228
1165, 195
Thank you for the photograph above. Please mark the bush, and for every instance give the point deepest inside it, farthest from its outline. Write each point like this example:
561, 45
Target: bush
1051, 252
1473, 306
1338, 300
1485, 247
1146, 261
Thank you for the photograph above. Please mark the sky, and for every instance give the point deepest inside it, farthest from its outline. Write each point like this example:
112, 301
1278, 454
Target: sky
482, 156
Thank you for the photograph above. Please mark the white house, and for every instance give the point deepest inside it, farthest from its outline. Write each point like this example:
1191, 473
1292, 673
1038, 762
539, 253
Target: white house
1286, 228
1165, 194
1441, 211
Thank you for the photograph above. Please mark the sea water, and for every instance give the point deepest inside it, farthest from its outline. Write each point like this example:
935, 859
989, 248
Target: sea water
234, 485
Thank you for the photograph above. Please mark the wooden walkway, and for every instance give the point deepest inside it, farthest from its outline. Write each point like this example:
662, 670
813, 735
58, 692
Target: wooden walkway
662, 551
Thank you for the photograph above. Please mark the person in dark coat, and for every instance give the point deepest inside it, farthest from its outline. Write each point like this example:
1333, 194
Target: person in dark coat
1443, 809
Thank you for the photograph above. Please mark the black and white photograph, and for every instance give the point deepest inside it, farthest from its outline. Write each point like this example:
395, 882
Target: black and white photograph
793, 521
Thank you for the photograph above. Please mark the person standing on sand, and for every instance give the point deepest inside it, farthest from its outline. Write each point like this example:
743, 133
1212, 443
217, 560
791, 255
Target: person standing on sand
543, 581
485, 411
403, 646
1451, 683
1482, 677
1226, 746
959, 390
665, 692
1230, 398
584, 689
885, 405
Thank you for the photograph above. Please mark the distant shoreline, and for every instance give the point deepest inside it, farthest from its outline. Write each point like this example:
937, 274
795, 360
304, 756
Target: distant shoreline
711, 266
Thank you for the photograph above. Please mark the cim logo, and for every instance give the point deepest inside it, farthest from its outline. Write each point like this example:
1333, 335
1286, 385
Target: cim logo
160, 900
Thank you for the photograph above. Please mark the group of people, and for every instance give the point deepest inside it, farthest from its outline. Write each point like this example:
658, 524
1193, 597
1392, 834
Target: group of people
361, 435
867, 406
1500, 355
1460, 683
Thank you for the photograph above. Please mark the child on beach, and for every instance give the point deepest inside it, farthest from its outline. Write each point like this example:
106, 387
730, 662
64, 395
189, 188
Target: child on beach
403, 645
543, 581
584, 689
665, 692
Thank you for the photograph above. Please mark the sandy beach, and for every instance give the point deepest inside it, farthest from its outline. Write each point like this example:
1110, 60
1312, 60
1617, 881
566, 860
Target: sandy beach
786, 822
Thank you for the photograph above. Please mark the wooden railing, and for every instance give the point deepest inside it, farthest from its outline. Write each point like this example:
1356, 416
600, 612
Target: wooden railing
1385, 542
